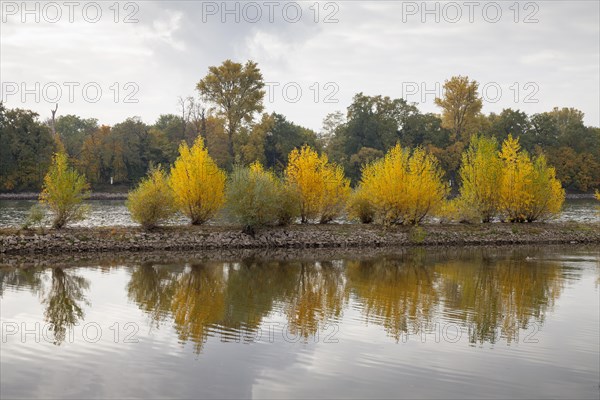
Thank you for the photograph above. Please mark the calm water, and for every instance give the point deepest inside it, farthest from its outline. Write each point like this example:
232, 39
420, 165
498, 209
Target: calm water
475, 323
113, 212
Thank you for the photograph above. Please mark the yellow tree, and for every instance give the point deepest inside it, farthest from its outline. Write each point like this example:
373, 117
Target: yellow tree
63, 191
480, 174
597, 195
548, 193
461, 104
321, 186
404, 187
197, 182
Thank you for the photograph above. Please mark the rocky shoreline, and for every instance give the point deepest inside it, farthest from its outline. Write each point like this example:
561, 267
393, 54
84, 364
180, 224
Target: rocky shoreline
342, 236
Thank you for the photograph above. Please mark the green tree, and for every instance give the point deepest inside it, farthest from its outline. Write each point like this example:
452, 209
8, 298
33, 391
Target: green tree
73, 131
25, 151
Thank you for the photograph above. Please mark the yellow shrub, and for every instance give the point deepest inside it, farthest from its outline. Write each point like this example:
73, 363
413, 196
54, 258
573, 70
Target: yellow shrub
548, 195
480, 175
152, 201
321, 186
529, 189
404, 187
197, 182
516, 196
597, 195
64, 190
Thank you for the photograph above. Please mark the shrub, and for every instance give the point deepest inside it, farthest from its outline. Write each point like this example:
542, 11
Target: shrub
480, 174
152, 201
288, 204
64, 191
198, 184
35, 217
360, 207
252, 196
548, 194
404, 187
528, 189
321, 186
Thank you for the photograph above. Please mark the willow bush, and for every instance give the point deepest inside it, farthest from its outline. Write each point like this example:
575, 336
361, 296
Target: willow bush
321, 186
63, 191
256, 197
197, 182
152, 202
404, 187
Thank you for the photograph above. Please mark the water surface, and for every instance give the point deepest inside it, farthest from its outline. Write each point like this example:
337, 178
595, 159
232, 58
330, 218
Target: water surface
114, 212
448, 323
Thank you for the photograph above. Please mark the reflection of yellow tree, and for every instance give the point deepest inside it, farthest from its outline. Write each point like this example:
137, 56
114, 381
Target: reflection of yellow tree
498, 297
318, 297
198, 301
63, 309
151, 287
398, 293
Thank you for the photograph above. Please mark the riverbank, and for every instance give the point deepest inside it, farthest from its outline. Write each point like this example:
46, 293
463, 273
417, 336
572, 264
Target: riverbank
198, 238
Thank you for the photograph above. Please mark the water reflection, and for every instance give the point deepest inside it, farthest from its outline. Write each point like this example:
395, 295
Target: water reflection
492, 294
64, 301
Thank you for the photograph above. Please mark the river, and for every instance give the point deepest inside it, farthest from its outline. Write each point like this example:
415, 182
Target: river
114, 212
518, 322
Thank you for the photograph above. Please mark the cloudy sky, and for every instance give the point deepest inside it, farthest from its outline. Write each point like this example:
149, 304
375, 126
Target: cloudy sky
135, 59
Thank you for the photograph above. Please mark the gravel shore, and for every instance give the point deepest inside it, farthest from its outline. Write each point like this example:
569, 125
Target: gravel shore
197, 238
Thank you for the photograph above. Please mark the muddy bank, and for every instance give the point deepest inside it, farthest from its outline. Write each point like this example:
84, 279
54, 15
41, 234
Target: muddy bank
343, 236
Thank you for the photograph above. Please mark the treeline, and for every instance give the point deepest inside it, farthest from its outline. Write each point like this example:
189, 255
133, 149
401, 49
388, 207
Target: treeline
230, 120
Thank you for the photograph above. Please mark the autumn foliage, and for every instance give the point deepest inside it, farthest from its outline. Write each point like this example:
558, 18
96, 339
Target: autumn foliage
508, 184
321, 186
529, 190
152, 201
480, 174
197, 182
404, 186
64, 191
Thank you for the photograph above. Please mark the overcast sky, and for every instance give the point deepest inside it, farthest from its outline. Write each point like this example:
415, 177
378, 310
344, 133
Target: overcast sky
531, 56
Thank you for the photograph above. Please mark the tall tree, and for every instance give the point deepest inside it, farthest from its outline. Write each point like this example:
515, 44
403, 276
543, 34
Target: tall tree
237, 92
461, 104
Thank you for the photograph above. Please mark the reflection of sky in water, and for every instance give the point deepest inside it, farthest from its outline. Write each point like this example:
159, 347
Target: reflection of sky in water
554, 289
114, 212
